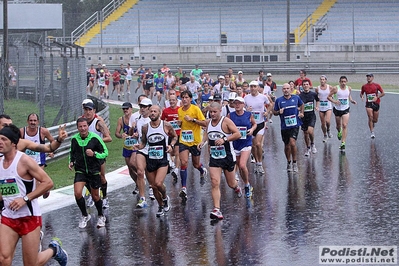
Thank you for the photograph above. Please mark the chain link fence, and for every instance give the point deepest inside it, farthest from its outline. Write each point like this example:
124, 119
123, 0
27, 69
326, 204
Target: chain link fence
51, 74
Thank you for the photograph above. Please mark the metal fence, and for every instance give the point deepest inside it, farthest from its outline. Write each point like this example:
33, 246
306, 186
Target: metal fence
48, 75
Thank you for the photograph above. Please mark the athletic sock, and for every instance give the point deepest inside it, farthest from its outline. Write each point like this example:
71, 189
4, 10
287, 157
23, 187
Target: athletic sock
82, 205
104, 189
183, 176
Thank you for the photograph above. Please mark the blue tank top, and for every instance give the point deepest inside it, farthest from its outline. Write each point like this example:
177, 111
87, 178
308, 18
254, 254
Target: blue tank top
205, 99
243, 123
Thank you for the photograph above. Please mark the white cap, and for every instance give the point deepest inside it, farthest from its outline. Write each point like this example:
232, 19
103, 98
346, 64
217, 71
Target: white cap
240, 99
211, 98
240, 72
87, 101
146, 101
232, 95
254, 83
221, 77
268, 74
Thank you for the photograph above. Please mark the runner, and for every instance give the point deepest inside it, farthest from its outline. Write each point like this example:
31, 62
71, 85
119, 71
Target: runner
191, 119
325, 108
87, 153
246, 125
170, 115
221, 132
373, 93
21, 216
156, 135
290, 108
309, 119
340, 96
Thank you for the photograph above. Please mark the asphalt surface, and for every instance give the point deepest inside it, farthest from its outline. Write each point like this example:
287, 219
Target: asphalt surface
336, 198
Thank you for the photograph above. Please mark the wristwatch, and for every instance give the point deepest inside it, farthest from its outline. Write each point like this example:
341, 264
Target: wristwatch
194, 120
225, 139
26, 199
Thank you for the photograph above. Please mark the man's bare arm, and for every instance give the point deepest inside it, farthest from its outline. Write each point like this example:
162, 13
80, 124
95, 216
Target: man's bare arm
102, 127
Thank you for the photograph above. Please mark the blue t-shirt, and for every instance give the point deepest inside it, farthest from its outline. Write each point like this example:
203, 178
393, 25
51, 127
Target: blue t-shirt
243, 123
159, 82
289, 118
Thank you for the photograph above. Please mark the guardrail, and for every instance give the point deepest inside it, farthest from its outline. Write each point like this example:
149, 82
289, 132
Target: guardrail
72, 129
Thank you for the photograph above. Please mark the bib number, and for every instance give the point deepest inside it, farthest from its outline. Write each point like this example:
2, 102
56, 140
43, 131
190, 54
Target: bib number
155, 152
129, 142
218, 152
370, 97
343, 101
323, 103
308, 107
30, 152
187, 135
9, 187
256, 116
290, 120
243, 132
174, 125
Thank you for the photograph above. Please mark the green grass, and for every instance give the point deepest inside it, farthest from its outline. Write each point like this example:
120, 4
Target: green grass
58, 169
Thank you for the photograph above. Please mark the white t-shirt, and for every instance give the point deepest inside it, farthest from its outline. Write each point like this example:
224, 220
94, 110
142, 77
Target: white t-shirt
257, 103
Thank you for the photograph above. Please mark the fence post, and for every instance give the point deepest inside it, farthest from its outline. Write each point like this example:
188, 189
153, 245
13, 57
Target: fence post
42, 91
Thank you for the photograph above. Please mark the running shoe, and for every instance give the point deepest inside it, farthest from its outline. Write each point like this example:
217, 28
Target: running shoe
89, 202
136, 190
160, 211
260, 169
289, 167
166, 205
314, 150
174, 173
151, 193
142, 203
205, 173
248, 191
83, 221
295, 167
342, 147
238, 190
41, 238
61, 256
307, 153
372, 136
339, 135
325, 138
270, 121
252, 158
329, 134
101, 221
216, 214
105, 203
183, 193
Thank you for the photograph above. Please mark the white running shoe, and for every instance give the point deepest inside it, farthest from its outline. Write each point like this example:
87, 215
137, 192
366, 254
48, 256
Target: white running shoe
101, 221
314, 150
83, 221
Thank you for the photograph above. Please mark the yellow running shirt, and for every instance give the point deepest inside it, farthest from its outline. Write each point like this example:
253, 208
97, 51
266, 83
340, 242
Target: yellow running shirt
190, 133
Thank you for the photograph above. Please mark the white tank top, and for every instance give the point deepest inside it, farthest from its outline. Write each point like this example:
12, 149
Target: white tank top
37, 156
343, 98
325, 104
214, 133
93, 127
140, 123
157, 141
13, 186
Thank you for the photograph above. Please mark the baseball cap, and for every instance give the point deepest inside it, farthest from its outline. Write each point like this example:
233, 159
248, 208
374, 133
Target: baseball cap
240, 99
221, 77
211, 98
240, 72
269, 74
126, 105
217, 97
89, 105
264, 78
232, 95
87, 101
370, 74
146, 102
254, 83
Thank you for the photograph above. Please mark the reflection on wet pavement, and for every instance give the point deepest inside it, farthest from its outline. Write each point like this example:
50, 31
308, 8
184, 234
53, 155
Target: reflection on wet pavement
335, 199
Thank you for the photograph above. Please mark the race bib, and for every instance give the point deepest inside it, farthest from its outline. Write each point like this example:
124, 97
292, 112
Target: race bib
9, 187
370, 97
290, 120
187, 135
155, 152
308, 107
257, 116
323, 103
175, 125
225, 88
159, 85
343, 101
243, 132
205, 104
30, 152
218, 152
129, 142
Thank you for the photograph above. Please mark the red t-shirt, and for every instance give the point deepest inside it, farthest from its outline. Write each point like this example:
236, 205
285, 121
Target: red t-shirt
116, 76
170, 115
371, 90
299, 81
